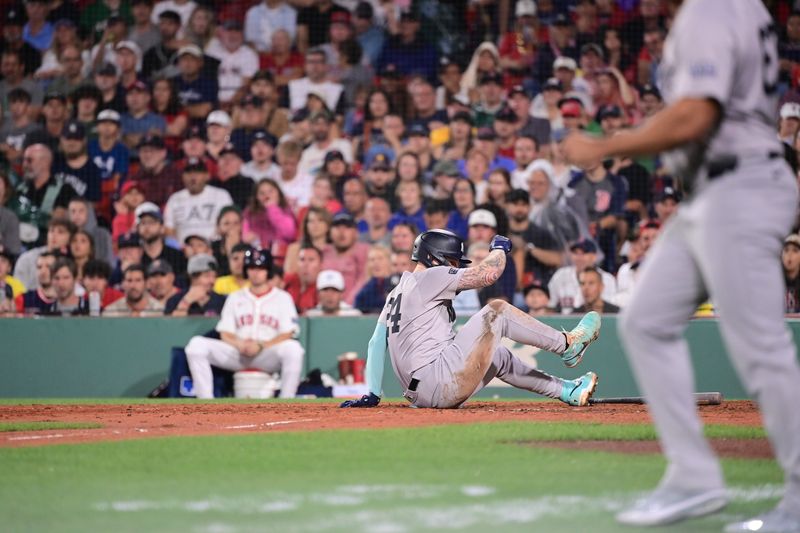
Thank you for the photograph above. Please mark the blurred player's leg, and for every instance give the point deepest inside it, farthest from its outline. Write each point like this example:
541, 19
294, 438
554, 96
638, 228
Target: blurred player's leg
749, 302
287, 358
201, 353
651, 328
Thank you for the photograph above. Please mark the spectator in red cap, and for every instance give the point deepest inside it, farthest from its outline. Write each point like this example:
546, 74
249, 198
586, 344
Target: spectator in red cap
139, 121
572, 113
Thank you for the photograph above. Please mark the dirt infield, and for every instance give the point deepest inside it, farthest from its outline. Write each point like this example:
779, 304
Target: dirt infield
123, 422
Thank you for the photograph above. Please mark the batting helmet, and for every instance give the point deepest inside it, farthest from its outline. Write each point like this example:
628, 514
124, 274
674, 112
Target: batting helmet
439, 245
258, 259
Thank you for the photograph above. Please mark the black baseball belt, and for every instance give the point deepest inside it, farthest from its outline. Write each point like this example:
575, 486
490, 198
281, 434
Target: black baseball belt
725, 164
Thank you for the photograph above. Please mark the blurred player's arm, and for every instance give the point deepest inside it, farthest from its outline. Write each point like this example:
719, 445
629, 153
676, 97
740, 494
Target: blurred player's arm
484, 273
687, 120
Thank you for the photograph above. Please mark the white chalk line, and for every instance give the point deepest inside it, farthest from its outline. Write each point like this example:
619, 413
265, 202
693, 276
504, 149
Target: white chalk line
38, 437
271, 424
408, 510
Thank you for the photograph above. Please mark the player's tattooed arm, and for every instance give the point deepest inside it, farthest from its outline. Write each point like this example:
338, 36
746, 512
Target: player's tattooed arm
484, 273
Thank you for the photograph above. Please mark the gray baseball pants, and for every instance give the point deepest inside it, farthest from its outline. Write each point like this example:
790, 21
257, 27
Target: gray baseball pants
476, 357
725, 244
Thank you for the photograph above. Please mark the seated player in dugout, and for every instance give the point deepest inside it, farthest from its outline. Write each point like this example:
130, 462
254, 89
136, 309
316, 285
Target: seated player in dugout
440, 368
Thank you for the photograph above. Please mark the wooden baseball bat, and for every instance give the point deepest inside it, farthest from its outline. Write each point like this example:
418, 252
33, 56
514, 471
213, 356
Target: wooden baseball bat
702, 398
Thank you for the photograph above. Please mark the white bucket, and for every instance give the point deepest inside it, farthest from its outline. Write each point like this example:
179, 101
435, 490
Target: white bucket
253, 384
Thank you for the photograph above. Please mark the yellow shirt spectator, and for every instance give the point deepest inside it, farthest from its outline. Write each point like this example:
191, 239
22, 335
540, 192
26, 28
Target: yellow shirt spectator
16, 285
228, 284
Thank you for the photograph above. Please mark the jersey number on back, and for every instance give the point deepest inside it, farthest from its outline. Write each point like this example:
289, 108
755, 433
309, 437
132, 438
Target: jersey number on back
768, 38
394, 313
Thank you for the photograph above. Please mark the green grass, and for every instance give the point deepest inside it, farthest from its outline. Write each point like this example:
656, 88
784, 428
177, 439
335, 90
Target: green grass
40, 426
479, 477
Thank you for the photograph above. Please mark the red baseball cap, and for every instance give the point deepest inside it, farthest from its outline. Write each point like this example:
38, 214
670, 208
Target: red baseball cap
129, 186
570, 108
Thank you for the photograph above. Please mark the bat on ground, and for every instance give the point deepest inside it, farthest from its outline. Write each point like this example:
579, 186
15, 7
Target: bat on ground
702, 398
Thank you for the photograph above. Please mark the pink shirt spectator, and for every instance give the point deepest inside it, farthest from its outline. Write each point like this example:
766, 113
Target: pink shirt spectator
352, 264
271, 225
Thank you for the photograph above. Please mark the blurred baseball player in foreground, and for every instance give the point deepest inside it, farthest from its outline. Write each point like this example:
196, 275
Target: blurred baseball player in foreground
442, 369
257, 327
719, 77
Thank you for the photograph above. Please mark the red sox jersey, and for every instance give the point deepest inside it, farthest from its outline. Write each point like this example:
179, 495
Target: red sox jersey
258, 317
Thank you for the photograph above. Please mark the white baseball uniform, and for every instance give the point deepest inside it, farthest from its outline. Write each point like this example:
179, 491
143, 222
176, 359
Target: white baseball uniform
261, 318
724, 242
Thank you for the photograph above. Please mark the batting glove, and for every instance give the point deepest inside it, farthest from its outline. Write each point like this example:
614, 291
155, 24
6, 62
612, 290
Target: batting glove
368, 400
500, 243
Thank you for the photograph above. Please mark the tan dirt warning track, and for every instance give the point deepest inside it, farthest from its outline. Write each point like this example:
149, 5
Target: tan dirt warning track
123, 422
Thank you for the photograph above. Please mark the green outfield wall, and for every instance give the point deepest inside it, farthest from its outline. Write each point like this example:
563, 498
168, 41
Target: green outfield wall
119, 357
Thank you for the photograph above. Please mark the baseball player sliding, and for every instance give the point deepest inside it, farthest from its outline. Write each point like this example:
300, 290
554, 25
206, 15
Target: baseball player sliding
442, 369
719, 76
257, 327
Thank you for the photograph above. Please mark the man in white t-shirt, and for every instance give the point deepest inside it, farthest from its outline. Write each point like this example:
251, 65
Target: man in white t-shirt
565, 290
314, 156
261, 165
237, 61
194, 209
315, 81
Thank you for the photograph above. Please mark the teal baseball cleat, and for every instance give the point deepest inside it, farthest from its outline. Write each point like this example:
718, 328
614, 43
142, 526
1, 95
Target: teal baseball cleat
584, 334
578, 391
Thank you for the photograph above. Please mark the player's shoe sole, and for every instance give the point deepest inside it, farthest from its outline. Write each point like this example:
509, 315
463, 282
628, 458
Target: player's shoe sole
666, 506
577, 392
585, 333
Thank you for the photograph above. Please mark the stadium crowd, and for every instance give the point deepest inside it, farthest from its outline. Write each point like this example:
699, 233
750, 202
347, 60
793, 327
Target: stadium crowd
146, 146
